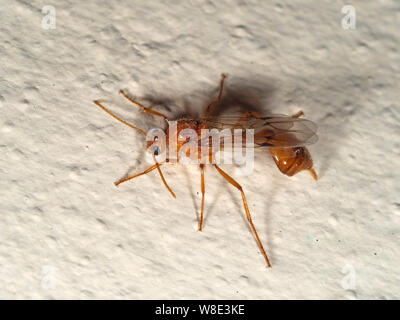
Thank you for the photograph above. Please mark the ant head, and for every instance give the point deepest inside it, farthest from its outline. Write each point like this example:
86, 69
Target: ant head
156, 142
153, 146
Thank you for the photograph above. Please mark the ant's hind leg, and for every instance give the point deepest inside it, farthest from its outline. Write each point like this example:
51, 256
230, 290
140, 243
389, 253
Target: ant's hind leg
215, 101
145, 109
203, 191
246, 208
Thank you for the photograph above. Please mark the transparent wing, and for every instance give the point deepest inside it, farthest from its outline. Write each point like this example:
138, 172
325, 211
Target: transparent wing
271, 130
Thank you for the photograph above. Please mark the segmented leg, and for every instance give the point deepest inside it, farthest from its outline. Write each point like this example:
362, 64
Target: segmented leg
162, 177
246, 208
145, 109
215, 101
155, 166
203, 188
119, 119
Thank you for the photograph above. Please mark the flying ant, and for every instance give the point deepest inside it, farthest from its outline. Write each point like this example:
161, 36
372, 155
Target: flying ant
284, 136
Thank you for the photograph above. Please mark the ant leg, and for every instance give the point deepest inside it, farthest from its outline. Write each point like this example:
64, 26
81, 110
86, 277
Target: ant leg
298, 114
154, 166
202, 196
142, 106
119, 119
221, 87
246, 208
162, 177
157, 165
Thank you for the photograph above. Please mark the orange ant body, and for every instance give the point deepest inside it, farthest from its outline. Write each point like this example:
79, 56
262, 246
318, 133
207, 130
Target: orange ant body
285, 137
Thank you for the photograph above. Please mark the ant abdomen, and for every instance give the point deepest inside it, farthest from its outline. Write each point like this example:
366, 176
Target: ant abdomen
293, 160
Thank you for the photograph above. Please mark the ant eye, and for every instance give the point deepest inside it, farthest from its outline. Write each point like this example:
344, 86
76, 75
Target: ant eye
155, 138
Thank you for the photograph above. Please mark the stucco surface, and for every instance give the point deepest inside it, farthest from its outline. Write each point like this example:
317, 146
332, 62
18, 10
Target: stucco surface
67, 232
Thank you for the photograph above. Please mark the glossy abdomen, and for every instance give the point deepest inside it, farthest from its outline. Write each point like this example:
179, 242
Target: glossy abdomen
293, 160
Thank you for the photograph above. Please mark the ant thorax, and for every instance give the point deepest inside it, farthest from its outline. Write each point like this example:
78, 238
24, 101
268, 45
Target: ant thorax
191, 141
181, 142
183, 139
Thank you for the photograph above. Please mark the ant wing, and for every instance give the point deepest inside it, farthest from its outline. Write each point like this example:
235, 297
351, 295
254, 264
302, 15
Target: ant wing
271, 130
286, 132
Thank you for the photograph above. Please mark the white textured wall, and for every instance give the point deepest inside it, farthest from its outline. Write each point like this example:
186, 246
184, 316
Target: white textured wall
67, 232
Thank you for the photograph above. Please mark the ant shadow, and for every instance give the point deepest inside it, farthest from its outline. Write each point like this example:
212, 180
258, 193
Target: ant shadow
239, 95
